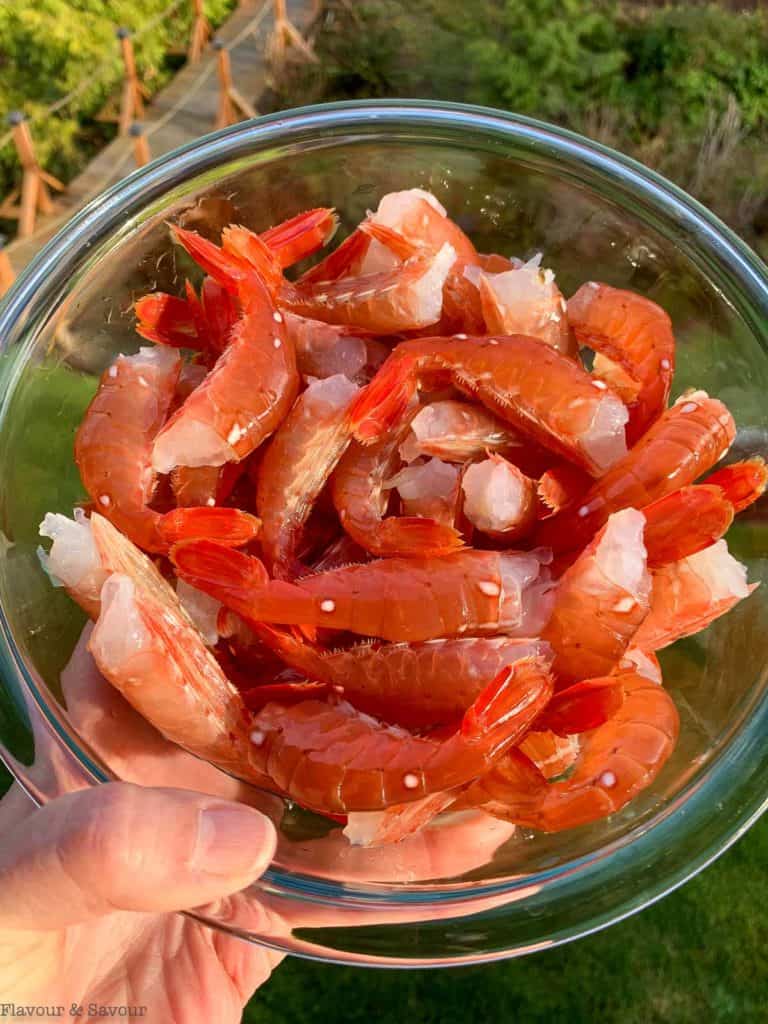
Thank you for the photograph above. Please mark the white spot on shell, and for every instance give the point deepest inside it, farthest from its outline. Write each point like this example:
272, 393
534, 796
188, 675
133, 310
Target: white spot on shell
211, 502
461, 337
583, 511
143, 381
665, 364
112, 371
625, 604
600, 385
257, 737
234, 435
489, 588
277, 317
276, 342
608, 779
327, 605
690, 407
410, 781
105, 500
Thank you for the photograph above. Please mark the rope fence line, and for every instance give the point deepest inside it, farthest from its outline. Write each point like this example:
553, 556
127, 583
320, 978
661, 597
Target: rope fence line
155, 126
95, 74
232, 105
157, 19
33, 194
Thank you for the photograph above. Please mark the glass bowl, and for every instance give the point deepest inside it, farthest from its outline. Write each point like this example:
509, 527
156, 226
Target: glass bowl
470, 889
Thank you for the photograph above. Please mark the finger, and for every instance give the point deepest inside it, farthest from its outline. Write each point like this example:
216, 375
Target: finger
122, 847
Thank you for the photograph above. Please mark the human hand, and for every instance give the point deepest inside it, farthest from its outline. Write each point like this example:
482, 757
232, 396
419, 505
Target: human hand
88, 886
89, 883
88, 889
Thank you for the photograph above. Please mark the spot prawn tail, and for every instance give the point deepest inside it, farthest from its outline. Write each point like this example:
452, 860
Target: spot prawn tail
382, 404
509, 704
583, 706
229, 527
218, 570
685, 522
229, 270
244, 245
339, 261
416, 536
299, 237
398, 244
166, 320
741, 482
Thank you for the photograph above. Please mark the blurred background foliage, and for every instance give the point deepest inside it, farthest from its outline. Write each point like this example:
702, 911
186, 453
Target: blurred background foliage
682, 87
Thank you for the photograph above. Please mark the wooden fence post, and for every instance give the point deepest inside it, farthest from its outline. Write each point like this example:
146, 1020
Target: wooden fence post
141, 152
7, 273
286, 34
201, 32
233, 107
34, 193
132, 99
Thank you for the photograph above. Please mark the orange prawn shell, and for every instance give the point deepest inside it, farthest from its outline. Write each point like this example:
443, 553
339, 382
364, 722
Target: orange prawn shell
635, 333
114, 441
688, 439
615, 763
595, 615
330, 757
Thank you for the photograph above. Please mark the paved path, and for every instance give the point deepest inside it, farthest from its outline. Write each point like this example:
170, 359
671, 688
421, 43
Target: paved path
183, 111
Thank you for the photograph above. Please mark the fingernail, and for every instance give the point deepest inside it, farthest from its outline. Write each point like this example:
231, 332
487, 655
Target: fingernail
232, 839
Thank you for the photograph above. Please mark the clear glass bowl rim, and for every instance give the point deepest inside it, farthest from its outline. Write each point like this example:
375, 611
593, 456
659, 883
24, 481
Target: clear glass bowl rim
739, 773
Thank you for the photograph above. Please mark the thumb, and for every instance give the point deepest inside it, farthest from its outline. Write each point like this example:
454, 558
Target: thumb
124, 847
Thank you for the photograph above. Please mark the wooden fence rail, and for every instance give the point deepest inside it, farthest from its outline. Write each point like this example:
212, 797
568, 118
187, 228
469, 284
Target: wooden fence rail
33, 196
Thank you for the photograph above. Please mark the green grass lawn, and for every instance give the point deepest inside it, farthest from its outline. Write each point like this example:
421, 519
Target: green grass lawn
699, 955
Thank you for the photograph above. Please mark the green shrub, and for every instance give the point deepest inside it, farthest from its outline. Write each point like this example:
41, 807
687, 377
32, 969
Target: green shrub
683, 88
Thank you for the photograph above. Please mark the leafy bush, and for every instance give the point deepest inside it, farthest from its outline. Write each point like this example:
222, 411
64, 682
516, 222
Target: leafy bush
683, 88
48, 47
